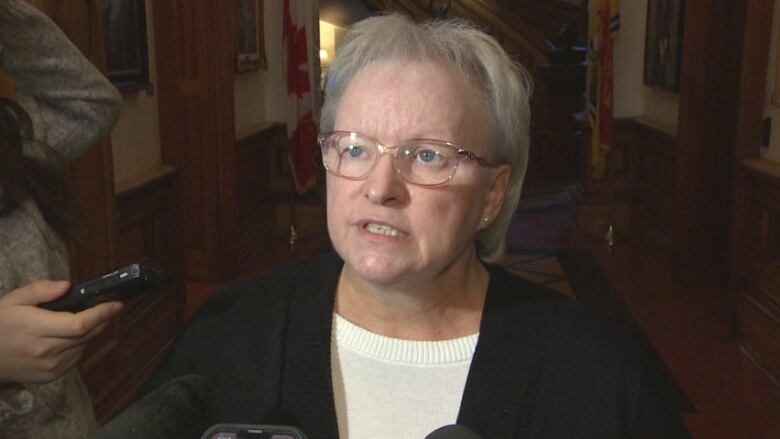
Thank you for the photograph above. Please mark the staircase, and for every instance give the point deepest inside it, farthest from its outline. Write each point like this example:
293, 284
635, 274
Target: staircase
548, 39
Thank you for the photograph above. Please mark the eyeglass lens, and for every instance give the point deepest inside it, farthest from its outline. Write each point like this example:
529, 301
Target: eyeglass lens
421, 162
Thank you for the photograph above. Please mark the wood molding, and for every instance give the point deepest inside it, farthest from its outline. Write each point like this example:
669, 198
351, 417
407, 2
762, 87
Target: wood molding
758, 313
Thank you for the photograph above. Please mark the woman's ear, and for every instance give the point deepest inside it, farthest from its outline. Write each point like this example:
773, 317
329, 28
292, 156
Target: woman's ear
499, 184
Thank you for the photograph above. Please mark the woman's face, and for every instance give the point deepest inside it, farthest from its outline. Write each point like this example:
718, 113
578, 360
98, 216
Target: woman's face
389, 231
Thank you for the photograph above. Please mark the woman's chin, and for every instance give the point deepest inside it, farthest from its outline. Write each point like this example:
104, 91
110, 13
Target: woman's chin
379, 269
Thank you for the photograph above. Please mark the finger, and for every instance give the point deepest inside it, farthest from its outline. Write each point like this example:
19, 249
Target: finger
62, 344
35, 293
65, 361
48, 369
96, 331
93, 317
68, 325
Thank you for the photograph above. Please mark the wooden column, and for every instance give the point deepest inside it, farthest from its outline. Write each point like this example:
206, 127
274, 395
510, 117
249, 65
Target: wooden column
194, 42
712, 48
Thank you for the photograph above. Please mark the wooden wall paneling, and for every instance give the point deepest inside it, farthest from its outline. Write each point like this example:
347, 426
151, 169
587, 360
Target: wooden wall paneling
653, 210
146, 233
754, 236
760, 332
758, 311
253, 173
709, 80
195, 75
755, 60
257, 196
592, 211
762, 271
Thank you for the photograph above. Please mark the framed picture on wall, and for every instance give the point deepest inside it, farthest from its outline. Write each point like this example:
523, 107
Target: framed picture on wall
663, 43
776, 93
250, 50
124, 31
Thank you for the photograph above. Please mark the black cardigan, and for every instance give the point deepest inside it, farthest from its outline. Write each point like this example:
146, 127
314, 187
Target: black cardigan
544, 367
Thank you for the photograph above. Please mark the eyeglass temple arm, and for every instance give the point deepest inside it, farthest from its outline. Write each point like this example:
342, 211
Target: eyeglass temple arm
471, 156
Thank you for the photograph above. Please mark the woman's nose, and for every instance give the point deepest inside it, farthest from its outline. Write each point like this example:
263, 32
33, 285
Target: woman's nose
384, 184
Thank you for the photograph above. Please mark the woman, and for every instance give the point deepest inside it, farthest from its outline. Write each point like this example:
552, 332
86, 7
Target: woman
408, 328
65, 105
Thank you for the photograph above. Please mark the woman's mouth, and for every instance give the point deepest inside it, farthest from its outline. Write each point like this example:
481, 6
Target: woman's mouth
380, 229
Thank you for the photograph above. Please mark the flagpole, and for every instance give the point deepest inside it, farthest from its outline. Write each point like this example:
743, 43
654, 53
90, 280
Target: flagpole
609, 236
293, 236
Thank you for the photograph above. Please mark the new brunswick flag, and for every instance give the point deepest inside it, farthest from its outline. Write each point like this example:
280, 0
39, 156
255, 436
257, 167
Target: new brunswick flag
604, 25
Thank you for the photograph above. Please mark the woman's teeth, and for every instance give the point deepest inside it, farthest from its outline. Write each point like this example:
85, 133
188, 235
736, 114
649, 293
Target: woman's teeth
380, 229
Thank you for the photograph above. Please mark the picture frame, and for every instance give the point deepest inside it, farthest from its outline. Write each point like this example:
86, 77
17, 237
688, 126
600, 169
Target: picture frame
249, 40
776, 92
663, 44
127, 52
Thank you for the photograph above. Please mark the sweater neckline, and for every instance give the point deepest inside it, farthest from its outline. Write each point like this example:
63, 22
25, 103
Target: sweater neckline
352, 337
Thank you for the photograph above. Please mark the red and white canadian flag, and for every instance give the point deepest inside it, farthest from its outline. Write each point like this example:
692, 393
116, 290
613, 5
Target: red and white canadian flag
302, 89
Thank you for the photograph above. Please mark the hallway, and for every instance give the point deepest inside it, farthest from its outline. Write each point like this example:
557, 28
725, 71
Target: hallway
691, 328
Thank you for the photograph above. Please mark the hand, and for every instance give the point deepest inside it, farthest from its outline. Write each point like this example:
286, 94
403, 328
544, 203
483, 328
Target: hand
38, 345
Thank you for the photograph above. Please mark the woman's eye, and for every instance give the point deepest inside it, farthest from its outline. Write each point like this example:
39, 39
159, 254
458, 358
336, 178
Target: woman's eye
354, 150
427, 155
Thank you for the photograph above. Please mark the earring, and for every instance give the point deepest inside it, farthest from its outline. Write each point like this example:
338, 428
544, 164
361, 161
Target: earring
485, 219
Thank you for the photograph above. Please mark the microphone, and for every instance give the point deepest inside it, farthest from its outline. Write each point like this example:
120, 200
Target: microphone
454, 431
177, 409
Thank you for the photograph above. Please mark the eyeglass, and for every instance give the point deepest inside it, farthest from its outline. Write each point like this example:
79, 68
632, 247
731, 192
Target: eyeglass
423, 162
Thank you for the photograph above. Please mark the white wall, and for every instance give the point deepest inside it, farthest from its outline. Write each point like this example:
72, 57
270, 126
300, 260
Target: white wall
261, 96
249, 96
135, 138
770, 110
631, 97
276, 88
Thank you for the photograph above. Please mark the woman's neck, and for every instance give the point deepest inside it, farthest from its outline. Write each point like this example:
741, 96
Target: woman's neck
445, 306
